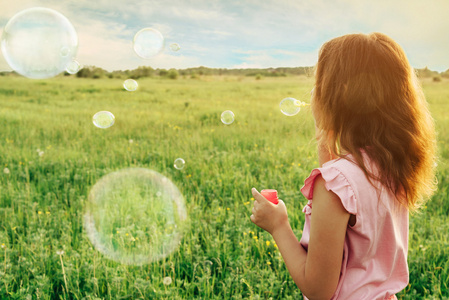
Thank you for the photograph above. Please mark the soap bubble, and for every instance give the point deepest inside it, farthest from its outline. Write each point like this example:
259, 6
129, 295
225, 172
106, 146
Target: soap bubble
103, 119
135, 216
148, 42
179, 163
290, 106
175, 47
73, 67
39, 43
227, 117
130, 85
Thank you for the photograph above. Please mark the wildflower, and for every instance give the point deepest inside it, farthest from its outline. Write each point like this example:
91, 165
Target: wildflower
268, 243
227, 208
3, 246
131, 141
268, 263
246, 203
6, 171
39, 212
41, 153
167, 280
47, 212
60, 252
240, 243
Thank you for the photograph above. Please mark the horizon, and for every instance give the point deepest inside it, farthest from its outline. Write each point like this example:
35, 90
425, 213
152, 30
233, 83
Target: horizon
243, 34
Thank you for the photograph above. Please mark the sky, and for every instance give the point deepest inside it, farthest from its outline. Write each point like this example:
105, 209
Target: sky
243, 33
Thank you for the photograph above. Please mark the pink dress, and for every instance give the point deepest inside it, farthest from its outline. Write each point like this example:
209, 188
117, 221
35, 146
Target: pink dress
374, 264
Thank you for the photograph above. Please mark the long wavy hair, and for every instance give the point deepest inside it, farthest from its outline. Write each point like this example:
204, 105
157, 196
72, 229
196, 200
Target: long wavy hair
367, 98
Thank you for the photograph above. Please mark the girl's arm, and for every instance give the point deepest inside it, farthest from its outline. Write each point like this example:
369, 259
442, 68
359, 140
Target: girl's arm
317, 271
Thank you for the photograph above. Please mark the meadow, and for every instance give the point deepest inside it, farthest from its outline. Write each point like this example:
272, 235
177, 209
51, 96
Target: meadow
51, 155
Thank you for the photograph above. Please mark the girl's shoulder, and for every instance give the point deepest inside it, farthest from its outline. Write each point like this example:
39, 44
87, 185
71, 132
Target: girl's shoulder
342, 176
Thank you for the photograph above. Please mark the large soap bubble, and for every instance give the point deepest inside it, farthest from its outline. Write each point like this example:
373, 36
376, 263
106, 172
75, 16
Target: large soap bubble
135, 216
148, 42
39, 43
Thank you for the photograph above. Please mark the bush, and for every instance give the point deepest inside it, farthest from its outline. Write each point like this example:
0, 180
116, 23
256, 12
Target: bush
172, 74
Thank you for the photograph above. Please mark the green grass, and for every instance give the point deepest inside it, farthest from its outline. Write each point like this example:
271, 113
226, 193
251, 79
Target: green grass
222, 255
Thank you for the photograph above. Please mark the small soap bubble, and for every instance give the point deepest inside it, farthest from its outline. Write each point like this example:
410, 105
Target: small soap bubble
73, 67
179, 163
103, 119
175, 47
65, 51
148, 42
135, 216
290, 106
39, 42
130, 85
227, 117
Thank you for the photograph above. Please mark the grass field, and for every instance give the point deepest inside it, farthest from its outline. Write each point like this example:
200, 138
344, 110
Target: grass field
51, 155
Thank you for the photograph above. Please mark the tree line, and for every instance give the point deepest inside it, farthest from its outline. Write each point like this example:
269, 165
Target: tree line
147, 71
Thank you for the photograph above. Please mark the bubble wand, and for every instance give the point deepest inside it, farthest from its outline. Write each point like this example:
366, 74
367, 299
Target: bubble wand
270, 195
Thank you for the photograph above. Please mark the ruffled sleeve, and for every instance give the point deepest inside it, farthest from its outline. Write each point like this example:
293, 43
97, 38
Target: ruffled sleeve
336, 182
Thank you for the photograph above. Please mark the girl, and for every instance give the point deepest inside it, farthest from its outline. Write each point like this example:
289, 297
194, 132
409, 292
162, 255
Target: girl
376, 151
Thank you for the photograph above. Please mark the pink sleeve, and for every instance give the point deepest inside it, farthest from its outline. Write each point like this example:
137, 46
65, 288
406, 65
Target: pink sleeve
335, 182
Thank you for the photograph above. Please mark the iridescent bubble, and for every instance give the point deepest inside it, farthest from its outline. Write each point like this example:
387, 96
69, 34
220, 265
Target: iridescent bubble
135, 216
130, 85
290, 106
175, 47
73, 67
179, 163
39, 42
227, 117
103, 119
148, 42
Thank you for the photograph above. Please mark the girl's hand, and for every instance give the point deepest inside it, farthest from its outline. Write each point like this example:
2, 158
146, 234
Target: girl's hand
267, 215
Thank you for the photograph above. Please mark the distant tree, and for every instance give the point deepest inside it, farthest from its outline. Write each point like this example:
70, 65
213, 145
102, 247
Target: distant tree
445, 74
141, 72
91, 72
426, 73
163, 73
173, 74
436, 78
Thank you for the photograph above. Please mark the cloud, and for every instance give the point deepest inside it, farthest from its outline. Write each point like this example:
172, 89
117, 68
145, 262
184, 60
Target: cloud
274, 58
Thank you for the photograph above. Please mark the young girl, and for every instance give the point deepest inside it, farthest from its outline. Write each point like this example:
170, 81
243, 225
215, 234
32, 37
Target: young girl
376, 150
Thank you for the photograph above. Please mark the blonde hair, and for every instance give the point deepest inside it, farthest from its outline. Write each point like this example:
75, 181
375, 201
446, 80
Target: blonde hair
367, 99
